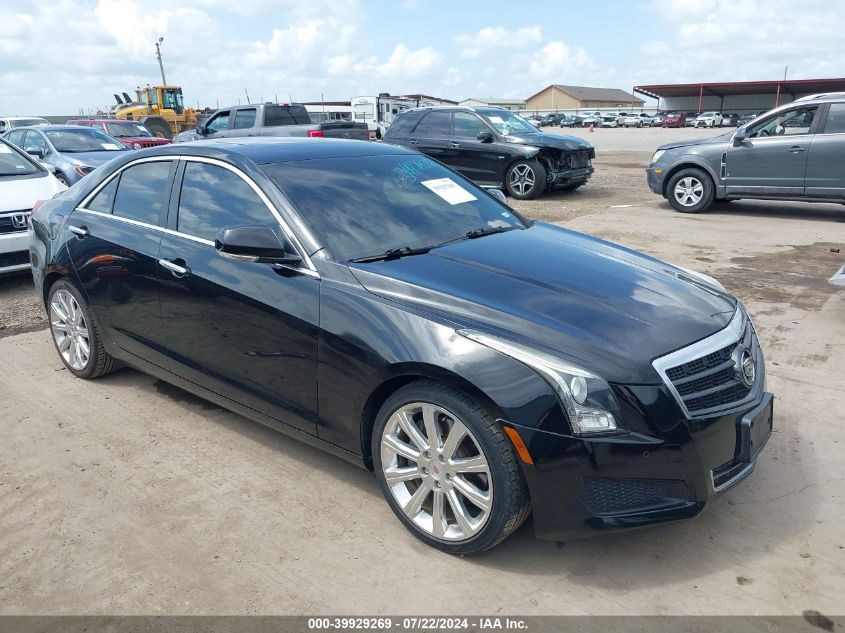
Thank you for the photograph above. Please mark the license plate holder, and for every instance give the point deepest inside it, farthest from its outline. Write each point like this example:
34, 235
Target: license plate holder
755, 428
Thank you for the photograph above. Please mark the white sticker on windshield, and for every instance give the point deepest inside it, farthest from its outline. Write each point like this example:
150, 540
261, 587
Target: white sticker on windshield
495, 119
110, 146
449, 190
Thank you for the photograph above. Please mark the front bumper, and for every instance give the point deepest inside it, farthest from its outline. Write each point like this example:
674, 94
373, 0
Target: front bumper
580, 485
14, 252
570, 176
655, 176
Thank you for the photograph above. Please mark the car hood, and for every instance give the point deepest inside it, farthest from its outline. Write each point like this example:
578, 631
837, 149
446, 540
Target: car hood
21, 193
722, 138
91, 159
558, 141
606, 308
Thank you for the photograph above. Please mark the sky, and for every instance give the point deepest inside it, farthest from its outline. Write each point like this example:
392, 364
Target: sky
66, 56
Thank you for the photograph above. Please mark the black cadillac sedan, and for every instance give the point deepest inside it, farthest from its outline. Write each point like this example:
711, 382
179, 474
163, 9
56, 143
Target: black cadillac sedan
366, 299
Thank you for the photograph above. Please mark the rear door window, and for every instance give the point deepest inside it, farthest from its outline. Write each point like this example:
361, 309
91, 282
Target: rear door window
104, 200
142, 190
436, 124
213, 198
285, 115
835, 119
244, 119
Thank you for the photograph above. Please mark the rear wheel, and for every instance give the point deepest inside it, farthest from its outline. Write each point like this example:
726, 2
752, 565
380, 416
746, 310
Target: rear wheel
447, 469
62, 179
158, 126
75, 334
525, 179
690, 191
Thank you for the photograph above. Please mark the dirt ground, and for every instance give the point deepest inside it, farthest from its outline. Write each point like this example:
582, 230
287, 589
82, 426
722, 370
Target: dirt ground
126, 496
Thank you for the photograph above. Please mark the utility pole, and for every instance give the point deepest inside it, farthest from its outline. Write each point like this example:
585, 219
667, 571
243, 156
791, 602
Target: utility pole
247, 95
160, 65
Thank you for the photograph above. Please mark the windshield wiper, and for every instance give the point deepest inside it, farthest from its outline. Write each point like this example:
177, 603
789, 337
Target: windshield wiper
476, 233
393, 253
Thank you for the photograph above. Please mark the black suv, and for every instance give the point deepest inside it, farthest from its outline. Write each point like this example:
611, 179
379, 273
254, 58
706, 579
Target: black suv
495, 147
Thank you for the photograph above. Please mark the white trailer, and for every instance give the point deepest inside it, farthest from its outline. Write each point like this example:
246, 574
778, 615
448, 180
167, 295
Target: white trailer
378, 112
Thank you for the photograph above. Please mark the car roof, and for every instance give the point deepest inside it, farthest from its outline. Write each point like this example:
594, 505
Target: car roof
276, 150
75, 122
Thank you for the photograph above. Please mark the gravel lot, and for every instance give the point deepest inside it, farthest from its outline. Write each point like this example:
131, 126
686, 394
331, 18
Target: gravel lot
125, 495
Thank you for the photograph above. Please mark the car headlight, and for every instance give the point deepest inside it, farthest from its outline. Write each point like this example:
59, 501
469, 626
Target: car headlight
136, 146
586, 398
707, 279
657, 155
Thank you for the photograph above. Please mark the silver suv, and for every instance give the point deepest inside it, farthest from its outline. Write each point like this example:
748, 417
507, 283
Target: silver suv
794, 152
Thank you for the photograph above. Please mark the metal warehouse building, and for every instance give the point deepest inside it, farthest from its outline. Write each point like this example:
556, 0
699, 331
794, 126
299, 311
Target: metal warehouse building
743, 97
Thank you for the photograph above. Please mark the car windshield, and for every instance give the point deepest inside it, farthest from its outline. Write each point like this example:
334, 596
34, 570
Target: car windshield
83, 140
26, 122
369, 205
506, 123
127, 129
14, 164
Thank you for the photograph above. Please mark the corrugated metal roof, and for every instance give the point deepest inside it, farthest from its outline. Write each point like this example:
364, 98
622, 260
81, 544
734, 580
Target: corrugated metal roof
587, 93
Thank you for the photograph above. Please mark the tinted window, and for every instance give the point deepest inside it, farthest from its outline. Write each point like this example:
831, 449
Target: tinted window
13, 164
371, 204
104, 201
285, 115
435, 124
245, 119
141, 191
468, 125
835, 119
213, 198
404, 123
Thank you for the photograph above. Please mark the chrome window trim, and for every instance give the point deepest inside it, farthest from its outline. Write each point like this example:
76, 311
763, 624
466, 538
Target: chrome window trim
310, 270
731, 334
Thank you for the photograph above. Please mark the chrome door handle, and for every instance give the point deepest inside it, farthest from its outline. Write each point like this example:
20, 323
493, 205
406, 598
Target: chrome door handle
412, 142
176, 269
796, 148
81, 231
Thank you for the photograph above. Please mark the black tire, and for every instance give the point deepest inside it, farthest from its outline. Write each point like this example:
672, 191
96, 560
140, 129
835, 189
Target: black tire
510, 505
694, 175
522, 168
100, 362
158, 126
62, 179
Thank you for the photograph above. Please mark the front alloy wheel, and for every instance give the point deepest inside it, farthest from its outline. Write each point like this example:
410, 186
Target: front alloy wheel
436, 471
690, 190
525, 179
447, 469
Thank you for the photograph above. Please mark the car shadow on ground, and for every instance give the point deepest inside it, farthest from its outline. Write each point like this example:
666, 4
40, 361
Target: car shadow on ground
785, 210
725, 535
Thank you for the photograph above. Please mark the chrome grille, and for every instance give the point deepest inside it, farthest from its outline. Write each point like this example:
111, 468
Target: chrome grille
704, 377
10, 221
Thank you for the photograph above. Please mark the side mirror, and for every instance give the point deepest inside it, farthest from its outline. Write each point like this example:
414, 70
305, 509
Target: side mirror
739, 137
255, 243
38, 153
200, 129
485, 136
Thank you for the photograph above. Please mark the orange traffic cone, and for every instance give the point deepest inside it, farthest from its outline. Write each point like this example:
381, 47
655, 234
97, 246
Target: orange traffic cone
591, 127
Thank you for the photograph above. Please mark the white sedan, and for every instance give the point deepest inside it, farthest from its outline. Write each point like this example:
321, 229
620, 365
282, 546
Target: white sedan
637, 120
708, 119
23, 182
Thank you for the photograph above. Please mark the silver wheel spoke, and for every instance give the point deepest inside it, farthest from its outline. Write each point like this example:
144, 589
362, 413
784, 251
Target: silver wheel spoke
398, 475
58, 326
411, 430
400, 448
438, 522
476, 496
429, 414
461, 515
456, 435
412, 507
65, 344
475, 464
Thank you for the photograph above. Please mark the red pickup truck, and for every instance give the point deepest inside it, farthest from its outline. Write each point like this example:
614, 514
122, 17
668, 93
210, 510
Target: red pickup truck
130, 133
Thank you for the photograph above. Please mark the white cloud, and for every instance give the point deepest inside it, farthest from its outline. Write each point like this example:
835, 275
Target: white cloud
557, 62
404, 63
475, 45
